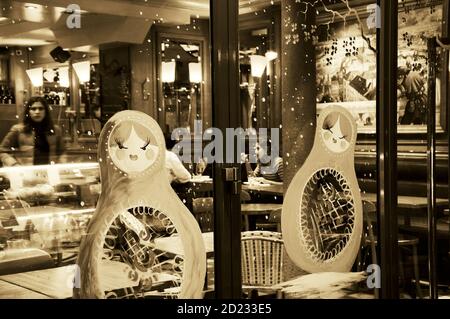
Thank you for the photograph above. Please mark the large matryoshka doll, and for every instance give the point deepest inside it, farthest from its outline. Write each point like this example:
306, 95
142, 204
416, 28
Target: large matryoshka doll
322, 211
138, 216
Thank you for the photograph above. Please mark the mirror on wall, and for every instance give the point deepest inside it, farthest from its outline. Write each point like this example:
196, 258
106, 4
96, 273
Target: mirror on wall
181, 77
90, 107
259, 71
253, 72
183, 74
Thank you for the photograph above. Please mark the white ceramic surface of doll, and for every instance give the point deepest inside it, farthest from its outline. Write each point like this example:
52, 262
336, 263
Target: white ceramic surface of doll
322, 211
121, 255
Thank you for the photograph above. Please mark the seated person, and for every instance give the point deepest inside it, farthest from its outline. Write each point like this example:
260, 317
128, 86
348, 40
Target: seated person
176, 171
271, 171
97, 114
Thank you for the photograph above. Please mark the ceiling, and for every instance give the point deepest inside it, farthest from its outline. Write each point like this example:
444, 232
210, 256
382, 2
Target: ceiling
42, 22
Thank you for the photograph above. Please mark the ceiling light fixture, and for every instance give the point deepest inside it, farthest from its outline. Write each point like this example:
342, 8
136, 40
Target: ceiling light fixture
36, 76
168, 72
83, 71
258, 65
195, 72
271, 55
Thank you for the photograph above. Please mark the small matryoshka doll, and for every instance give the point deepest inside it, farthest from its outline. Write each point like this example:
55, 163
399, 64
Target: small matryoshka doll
136, 211
322, 210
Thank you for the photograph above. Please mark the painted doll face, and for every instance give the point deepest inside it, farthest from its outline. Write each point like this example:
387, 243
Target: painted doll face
131, 149
334, 138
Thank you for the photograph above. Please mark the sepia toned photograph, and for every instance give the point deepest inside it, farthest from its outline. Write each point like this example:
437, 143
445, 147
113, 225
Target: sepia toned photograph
215, 156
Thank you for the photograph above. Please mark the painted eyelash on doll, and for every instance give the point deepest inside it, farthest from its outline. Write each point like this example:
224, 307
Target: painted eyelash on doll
147, 142
119, 143
328, 128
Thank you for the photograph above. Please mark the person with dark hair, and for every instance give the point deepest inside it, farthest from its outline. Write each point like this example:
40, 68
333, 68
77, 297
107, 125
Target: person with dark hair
411, 84
270, 171
35, 141
97, 114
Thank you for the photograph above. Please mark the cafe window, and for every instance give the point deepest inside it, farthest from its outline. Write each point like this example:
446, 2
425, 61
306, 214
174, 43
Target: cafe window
273, 135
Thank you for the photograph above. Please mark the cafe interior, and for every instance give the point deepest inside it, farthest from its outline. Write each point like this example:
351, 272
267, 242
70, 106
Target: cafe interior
349, 97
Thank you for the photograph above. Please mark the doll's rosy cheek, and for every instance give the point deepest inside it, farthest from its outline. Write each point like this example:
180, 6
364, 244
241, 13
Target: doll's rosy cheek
150, 154
120, 154
326, 135
343, 144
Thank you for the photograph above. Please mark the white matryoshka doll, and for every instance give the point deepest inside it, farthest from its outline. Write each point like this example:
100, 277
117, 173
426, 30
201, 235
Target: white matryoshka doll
322, 210
123, 254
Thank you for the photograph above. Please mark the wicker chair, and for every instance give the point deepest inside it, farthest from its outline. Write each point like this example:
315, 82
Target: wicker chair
262, 255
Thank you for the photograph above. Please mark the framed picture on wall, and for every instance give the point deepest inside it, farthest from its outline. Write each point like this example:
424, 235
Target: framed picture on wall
346, 68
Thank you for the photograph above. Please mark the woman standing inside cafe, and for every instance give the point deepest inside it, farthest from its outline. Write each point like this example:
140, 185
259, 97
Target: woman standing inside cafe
35, 141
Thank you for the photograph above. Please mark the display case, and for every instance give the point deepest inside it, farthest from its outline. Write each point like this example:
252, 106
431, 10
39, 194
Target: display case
44, 211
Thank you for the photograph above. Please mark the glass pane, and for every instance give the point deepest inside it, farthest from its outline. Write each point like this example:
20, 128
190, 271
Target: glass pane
310, 210
413, 91
86, 199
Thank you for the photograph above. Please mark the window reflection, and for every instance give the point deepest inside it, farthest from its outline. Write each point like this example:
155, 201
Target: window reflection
181, 75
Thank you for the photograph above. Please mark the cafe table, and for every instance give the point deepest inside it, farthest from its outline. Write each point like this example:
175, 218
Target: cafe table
205, 184
411, 203
407, 202
57, 283
173, 245
251, 210
263, 188
12, 291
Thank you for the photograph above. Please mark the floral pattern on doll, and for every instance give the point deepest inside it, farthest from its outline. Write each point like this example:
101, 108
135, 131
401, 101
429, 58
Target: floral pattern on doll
130, 147
336, 133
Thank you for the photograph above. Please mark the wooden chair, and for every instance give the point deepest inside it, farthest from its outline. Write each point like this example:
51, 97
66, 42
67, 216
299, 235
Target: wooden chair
203, 210
405, 242
262, 261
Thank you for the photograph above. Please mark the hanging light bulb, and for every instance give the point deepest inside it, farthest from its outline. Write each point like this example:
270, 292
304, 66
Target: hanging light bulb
168, 72
271, 55
258, 64
83, 71
64, 77
36, 76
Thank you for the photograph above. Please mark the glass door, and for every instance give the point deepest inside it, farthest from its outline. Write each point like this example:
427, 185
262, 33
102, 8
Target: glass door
309, 204
422, 74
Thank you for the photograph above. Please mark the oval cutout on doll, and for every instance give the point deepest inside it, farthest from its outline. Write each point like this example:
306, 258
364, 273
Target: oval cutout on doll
327, 214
